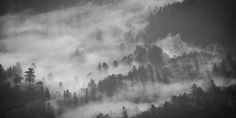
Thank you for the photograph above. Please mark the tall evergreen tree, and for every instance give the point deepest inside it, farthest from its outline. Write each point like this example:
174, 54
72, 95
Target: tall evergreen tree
2, 74
47, 94
29, 76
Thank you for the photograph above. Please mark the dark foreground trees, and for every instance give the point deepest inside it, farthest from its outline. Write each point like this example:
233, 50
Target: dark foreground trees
23, 102
215, 103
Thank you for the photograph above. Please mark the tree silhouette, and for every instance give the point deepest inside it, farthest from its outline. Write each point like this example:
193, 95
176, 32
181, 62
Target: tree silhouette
29, 76
105, 65
115, 64
60, 85
2, 74
124, 112
75, 99
92, 89
86, 96
14, 100
47, 94
155, 55
17, 79
140, 54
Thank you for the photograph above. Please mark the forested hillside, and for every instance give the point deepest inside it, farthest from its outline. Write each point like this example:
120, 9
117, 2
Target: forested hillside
117, 59
21, 100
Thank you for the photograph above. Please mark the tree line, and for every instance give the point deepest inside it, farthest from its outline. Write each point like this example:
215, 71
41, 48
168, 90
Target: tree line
19, 101
216, 102
152, 68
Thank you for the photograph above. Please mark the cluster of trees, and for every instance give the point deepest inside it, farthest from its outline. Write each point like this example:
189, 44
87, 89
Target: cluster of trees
198, 21
152, 68
19, 101
143, 55
14, 76
187, 64
124, 114
72, 100
216, 102
190, 64
36, 95
161, 67
109, 86
104, 66
227, 67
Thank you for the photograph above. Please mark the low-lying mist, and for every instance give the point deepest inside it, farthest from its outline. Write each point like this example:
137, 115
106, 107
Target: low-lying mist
137, 98
94, 53
68, 43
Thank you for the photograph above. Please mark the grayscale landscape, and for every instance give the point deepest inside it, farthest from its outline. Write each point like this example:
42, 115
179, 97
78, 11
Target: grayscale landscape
117, 59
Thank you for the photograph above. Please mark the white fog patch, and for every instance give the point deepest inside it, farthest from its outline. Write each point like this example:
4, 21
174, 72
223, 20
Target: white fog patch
173, 45
49, 39
156, 93
112, 108
153, 92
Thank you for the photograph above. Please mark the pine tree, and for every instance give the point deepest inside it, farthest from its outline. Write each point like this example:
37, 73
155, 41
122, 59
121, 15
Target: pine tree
2, 74
47, 94
29, 76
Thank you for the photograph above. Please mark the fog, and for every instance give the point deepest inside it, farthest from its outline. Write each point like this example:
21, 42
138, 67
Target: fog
144, 94
51, 39
153, 93
78, 43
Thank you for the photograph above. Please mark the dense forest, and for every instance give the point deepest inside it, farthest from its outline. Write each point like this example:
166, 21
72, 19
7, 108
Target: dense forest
217, 102
201, 22
203, 76
189, 103
20, 100
32, 98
